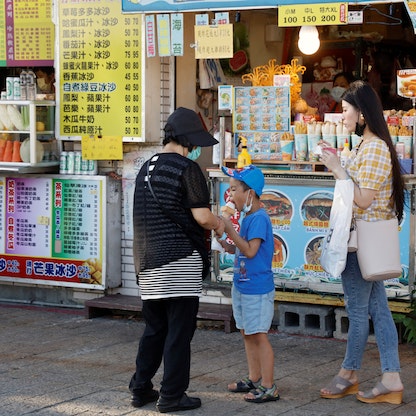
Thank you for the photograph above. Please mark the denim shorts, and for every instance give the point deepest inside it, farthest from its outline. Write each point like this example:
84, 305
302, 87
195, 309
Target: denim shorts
253, 313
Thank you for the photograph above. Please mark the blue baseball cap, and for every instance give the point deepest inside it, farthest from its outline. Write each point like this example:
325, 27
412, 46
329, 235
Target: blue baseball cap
251, 175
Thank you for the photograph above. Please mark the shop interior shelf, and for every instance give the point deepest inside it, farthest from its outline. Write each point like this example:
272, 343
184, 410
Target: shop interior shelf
22, 167
281, 164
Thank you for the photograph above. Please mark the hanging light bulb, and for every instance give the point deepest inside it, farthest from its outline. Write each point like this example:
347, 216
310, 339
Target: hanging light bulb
308, 42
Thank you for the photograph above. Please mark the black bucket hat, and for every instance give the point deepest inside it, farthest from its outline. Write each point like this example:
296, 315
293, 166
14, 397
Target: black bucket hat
185, 122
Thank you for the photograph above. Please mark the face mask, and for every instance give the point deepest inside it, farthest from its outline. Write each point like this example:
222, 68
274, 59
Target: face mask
247, 208
359, 129
336, 93
195, 153
43, 86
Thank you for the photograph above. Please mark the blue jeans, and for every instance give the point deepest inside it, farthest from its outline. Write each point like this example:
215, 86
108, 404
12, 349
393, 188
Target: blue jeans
362, 299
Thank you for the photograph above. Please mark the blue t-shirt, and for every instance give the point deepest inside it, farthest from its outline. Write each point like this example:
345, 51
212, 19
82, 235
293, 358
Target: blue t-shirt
254, 276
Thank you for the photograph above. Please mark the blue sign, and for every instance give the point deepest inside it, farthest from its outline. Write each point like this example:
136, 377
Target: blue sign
182, 5
155, 6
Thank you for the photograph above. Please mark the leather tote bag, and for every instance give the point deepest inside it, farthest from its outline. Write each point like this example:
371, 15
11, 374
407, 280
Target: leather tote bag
378, 249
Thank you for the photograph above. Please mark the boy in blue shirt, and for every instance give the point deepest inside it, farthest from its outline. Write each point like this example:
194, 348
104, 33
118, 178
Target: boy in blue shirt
253, 286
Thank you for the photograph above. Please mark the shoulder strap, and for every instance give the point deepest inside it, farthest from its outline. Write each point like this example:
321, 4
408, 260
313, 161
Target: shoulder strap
165, 211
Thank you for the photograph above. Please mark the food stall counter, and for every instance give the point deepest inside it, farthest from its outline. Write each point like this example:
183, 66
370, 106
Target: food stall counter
299, 205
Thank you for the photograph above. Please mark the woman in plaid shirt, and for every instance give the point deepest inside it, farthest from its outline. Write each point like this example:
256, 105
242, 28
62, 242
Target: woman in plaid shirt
378, 195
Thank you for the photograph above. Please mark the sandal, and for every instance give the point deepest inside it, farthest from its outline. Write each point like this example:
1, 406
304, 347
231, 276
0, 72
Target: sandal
384, 395
339, 387
244, 386
262, 394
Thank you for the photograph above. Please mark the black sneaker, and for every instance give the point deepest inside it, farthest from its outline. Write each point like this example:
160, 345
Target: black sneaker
184, 403
140, 398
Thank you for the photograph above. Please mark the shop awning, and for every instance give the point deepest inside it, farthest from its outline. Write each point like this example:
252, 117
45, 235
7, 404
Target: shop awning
157, 6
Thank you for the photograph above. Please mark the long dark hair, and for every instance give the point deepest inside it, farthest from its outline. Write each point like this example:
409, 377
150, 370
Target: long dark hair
365, 99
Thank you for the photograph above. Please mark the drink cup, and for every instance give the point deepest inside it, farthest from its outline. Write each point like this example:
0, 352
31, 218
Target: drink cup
331, 139
341, 140
301, 146
286, 147
313, 140
407, 140
355, 140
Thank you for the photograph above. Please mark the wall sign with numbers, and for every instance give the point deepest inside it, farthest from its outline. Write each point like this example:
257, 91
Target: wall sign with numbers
26, 33
313, 14
101, 71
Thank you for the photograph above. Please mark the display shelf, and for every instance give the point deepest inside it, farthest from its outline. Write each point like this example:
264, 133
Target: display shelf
22, 167
28, 113
281, 165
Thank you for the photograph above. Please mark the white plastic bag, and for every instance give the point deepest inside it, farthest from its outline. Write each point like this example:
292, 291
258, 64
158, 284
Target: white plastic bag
335, 244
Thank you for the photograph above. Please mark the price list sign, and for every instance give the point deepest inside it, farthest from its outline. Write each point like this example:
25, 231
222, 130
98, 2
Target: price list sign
100, 63
2, 214
313, 14
27, 216
3, 61
51, 230
27, 33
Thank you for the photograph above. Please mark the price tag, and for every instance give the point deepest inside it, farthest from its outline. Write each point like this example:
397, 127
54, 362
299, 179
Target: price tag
313, 14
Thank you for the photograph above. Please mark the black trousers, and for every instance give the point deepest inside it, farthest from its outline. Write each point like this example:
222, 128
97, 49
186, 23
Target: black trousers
170, 326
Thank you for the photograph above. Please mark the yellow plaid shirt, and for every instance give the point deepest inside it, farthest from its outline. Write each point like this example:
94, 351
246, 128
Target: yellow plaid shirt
370, 167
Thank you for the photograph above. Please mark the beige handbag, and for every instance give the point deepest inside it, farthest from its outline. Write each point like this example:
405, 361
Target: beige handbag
378, 249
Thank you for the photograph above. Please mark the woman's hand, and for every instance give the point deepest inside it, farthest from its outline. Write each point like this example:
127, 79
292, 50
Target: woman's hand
332, 162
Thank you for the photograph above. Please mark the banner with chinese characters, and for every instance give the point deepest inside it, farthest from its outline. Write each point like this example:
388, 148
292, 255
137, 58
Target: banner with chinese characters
215, 42
100, 68
51, 230
102, 148
27, 33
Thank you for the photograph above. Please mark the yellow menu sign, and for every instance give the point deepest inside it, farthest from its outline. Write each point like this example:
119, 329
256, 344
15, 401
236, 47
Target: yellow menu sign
101, 69
313, 14
214, 42
102, 147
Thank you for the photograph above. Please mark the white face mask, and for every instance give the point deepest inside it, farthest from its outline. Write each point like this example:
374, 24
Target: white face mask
336, 93
247, 208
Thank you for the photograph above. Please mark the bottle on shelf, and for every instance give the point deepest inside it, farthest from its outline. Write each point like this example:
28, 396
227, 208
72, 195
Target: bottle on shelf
31, 85
23, 85
244, 158
345, 154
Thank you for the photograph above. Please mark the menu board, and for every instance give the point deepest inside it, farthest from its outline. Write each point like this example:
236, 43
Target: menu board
27, 33
300, 219
100, 67
261, 114
51, 229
